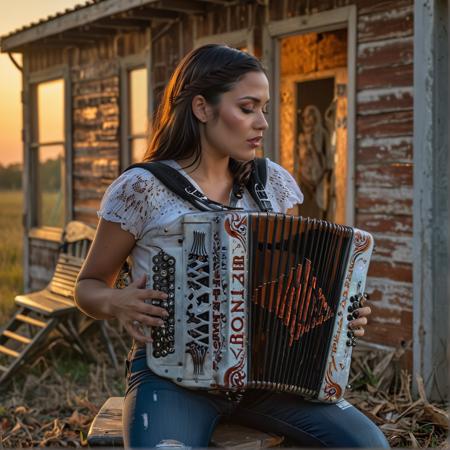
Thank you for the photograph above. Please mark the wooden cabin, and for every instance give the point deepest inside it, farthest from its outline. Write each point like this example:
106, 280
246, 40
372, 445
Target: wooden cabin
344, 74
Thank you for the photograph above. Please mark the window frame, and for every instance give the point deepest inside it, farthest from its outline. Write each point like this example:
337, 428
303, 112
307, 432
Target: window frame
32, 220
127, 64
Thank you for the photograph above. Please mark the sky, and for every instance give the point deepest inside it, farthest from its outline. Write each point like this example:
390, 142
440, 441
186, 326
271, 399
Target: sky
17, 14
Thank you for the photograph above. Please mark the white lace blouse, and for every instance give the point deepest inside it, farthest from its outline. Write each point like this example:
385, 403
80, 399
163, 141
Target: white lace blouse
152, 213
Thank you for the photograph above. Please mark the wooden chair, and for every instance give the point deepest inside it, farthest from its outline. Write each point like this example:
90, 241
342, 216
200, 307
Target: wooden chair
106, 431
51, 309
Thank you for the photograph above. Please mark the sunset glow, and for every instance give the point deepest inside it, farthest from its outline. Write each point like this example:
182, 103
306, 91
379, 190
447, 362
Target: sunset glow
19, 14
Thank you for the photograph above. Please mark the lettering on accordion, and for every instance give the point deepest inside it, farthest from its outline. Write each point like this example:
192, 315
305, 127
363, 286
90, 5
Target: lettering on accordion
236, 227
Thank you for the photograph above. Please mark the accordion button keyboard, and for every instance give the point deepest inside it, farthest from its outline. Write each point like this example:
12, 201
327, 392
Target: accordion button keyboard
163, 280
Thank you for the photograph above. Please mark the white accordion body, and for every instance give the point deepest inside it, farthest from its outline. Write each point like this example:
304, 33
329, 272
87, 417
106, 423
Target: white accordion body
259, 300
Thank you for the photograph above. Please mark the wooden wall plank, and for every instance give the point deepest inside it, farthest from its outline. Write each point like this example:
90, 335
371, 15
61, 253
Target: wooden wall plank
388, 224
386, 175
389, 124
388, 77
386, 24
375, 101
379, 200
389, 52
380, 6
391, 270
374, 150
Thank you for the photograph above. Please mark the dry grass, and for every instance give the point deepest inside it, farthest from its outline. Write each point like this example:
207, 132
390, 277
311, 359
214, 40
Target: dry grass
53, 402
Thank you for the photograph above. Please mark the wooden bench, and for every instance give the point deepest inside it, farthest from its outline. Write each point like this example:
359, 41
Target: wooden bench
50, 309
106, 431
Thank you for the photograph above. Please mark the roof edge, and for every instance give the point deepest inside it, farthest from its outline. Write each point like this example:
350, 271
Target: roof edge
72, 19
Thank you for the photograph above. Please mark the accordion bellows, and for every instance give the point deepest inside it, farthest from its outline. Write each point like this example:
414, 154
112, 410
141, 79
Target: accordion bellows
259, 300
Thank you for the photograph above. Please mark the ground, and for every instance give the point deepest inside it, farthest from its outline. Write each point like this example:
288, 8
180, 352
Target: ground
53, 401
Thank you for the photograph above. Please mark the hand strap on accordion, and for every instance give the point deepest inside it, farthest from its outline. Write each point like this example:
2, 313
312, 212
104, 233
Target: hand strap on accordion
181, 186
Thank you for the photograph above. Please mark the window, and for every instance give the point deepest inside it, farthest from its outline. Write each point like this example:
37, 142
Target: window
48, 155
138, 113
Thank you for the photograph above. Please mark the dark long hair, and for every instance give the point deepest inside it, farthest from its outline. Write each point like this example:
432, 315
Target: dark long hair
209, 71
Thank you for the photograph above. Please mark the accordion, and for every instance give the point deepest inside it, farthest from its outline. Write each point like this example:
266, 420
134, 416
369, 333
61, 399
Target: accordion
259, 301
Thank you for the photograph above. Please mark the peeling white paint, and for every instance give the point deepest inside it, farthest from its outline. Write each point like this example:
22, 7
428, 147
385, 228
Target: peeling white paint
394, 13
371, 47
384, 142
145, 420
373, 95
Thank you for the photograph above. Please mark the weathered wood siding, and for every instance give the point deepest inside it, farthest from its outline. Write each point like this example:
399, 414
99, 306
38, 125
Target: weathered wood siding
384, 118
384, 181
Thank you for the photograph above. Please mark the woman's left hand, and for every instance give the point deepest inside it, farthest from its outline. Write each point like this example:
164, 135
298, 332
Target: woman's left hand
356, 325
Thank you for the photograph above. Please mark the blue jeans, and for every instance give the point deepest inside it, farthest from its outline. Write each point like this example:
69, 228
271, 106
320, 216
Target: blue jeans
157, 409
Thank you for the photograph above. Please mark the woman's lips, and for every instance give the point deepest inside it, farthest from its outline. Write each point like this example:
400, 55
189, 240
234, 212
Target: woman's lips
255, 142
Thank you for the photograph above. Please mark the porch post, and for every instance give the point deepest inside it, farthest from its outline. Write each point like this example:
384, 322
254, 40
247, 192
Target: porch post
430, 204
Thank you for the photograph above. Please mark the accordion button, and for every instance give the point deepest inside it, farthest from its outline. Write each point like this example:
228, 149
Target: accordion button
156, 277
355, 314
164, 304
350, 308
353, 298
350, 317
171, 261
350, 334
349, 343
156, 260
166, 257
164, 273
171, 270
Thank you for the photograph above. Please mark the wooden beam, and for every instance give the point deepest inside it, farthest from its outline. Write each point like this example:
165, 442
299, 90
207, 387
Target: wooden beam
152, 14
74, 19
183, 6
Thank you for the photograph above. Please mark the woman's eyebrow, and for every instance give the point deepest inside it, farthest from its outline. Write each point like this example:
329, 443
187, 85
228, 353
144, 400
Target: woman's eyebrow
249, 97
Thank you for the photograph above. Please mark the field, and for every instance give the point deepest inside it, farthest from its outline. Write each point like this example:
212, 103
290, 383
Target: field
11, 235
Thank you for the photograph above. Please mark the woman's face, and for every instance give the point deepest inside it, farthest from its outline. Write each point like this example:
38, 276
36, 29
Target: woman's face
237, 127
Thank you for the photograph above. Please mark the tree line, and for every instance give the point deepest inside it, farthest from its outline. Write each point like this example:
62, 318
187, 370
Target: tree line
49, 174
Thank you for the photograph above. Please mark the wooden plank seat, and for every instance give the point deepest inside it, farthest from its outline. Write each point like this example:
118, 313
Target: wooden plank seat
40, 314
106, 431
57, 298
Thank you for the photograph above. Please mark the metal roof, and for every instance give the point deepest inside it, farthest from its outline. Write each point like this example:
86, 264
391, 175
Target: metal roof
93, 12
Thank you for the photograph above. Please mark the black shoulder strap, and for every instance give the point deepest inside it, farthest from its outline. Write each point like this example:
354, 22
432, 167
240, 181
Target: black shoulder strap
257, 185
180, 185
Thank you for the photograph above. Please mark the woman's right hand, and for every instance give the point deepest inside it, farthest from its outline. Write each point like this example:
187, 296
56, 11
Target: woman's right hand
128, 306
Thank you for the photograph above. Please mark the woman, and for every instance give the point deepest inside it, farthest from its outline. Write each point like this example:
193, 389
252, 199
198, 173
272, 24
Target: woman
213, 115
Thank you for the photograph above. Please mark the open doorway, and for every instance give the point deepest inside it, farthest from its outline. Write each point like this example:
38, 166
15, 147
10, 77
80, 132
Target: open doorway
313, 119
